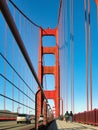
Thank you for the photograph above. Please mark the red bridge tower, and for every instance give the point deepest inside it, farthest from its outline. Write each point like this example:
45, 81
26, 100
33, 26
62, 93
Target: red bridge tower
42, 70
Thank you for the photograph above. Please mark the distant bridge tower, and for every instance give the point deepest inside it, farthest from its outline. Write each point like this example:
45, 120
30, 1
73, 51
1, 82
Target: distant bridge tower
42, 70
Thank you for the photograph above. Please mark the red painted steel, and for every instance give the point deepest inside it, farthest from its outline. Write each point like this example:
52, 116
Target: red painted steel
96, 116
96, 1
7, 119
87, 117
42, 70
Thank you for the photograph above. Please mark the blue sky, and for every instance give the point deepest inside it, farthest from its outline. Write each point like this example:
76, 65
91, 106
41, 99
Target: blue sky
40, 11
45, 14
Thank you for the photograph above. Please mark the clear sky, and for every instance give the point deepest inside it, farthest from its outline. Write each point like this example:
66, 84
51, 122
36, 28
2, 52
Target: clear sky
45, 14
40, 11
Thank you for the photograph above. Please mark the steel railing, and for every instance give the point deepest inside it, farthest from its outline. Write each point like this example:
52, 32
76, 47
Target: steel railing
46, 109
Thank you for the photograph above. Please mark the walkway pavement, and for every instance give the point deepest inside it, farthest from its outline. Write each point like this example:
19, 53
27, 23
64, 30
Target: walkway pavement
62, 125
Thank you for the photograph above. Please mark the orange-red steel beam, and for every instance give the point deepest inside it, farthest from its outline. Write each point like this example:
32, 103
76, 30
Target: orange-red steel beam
47, 50
53, 94
49, 70
49, 32
50, 94
96, 1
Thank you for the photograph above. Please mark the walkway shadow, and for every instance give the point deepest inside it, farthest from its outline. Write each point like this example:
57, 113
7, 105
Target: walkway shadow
53, 126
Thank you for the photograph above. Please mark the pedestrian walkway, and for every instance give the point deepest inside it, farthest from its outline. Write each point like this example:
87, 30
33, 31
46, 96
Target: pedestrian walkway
62, 125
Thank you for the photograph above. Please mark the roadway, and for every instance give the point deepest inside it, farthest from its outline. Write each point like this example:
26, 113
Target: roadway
12, 125
56, 125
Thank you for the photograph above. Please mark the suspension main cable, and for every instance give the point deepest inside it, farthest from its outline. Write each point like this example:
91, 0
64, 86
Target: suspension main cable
9, 19
24, 14
59, 11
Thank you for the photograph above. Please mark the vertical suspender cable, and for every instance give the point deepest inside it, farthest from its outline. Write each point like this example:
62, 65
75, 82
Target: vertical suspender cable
71, 48
64, 64
9, 19
23, 90
18, 82
86, 38
62, 51
30, 79
90, 41
72, 61
19, 65
13, 56
25, 64
66, 47
60, 46
27, 98
72, 55
5, 53
26, 68
90, 72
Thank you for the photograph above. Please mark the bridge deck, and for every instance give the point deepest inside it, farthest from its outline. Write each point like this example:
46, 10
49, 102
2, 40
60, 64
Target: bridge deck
56, 125
62, 125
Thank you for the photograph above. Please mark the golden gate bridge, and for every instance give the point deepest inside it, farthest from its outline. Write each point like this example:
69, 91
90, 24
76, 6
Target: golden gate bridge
23, 88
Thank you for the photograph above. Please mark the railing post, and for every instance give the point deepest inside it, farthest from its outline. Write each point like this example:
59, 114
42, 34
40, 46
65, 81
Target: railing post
37, 106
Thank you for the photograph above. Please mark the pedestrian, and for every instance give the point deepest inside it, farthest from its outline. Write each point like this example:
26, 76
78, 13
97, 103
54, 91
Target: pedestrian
66, 116
71, 116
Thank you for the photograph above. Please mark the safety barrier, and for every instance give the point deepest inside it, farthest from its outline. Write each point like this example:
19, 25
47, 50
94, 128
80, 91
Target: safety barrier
87, 117
43, 115
31, 97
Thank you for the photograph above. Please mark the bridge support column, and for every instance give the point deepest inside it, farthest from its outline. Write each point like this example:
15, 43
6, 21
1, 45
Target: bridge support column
42, 70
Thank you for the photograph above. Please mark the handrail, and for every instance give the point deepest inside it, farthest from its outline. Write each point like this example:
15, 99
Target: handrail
9, 19
16, 72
